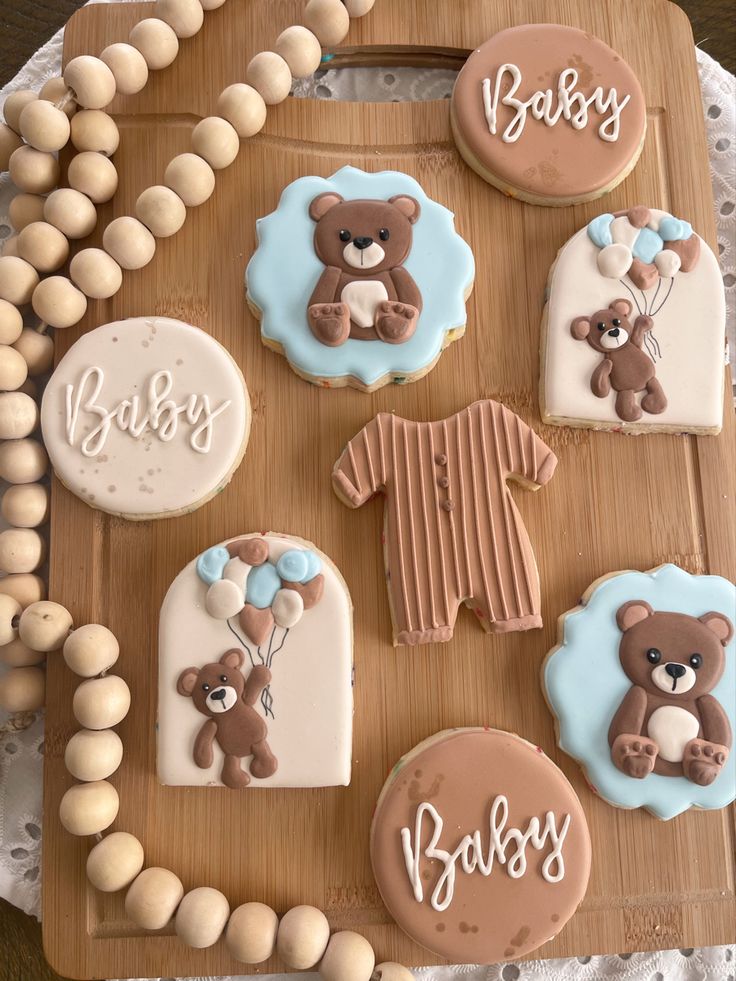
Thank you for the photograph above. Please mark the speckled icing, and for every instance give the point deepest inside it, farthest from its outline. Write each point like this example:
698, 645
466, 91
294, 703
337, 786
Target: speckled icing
585, 684
440, 262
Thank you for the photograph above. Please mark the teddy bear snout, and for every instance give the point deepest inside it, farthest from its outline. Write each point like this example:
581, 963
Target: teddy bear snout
674, 678
614, 337
221, 699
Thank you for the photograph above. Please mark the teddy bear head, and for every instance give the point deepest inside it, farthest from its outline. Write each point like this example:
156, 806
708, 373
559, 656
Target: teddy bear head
672, 653
217, 687
607, 330
366, 236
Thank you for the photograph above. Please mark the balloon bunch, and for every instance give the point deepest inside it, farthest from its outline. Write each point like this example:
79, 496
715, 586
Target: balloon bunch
264, 594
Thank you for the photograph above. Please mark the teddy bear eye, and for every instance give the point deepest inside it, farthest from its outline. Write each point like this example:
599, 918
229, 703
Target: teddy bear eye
600, 325
205, 687
616, 322
654, 656
345, 235
696, 660
223, 678
384, 234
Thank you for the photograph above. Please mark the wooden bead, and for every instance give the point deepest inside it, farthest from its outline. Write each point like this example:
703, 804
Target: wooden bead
57, 91
70, 211
58, 302
152, 898
161, 211
216, 141
25, 505
244, 109
93, 755
101, 703
201, 917
390, 970
89, 808
300, 49
129, 242
349, 957
14, 106
211, 4
10, 612
115, 861
44, 127
269, 74
22, 689
22, 461
13, 369
251, 933
156, 41
328, 19
37, 350
191, 178
185, 17
9, 143
94, 175
24, 209
11, 326
10, 246
33, 170
91, 649
44, 626
18, 280
24, 587
92, 130
44, 246
17, 655
359, 8
96, 273
91, 81
303, 937
128, 66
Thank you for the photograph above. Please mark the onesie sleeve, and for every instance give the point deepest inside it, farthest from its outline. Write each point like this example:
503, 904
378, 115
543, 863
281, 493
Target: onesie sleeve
523, 453
361, 471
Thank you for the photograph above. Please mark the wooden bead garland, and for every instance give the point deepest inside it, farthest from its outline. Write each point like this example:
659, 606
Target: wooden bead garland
349, 957
9, 617
91, 81
128, 67
24, 209
156, 41
251, 933
10, 141
96, 274
185, 17
358, 8
303, 937
10, 246
25, 505
216, 141
211, 4
129, 242
152, 898
33, 170
11, 326
18, 280
56, 90
25, 588
93, 130
44, 127
37, 350
115, 861
391, 971
244, 109
191, 178
44, 246
101, 703
14, 106
300, 49
87, 808
13, 369
94, 175
45, 626
328, 19
22, 689
201, 917
161, 210
70, 211
58, 302
17, 655
22, 461
91, 650
269, 74
93, 754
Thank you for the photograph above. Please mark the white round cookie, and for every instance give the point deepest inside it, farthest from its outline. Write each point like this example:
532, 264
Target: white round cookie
146, 418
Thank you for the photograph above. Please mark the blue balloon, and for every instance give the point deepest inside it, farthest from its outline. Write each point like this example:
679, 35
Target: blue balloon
293, 565
211, 564
648, 245
314, 567
671, 229
599, 231
262, 585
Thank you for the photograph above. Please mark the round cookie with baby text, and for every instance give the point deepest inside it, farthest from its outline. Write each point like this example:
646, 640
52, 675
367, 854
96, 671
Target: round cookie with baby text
549, 114
479, 845
146, 418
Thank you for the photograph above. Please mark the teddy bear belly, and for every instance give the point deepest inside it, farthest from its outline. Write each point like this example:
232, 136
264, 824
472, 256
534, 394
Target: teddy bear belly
672, 728
363, 299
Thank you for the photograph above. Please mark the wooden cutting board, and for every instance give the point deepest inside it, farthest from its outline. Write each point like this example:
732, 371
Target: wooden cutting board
653, 884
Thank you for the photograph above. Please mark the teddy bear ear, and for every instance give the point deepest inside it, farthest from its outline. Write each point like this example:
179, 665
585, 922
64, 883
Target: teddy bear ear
408, 206
322, 204
233, 658
580, 328
719, 624
621, 306
632, 613
187, 681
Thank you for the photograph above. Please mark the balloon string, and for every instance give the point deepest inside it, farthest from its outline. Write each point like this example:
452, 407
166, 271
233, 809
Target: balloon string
271, 655
633, 295
654, 298
241, 641
667, 296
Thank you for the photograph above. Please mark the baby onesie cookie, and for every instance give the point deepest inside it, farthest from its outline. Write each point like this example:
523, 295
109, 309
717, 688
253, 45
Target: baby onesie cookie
643, 688
633, 332
452, 531
146, 418
359, 279
255, 668
479, 845
548, 114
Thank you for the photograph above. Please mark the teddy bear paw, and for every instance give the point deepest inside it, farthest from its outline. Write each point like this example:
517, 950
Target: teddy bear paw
232, 775
396, 322
654, 403
702, 761
330, 322
634, 755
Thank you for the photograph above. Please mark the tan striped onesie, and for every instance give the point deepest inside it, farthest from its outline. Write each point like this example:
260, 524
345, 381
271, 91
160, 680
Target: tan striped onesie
453, 533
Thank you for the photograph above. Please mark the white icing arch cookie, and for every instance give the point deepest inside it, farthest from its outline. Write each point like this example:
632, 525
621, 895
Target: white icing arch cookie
146, 418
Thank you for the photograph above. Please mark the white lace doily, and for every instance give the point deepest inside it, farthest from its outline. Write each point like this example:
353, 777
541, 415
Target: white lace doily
21, 753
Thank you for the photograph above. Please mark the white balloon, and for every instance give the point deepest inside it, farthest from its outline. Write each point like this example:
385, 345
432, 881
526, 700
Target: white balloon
623, 232
224, 599
287, 607
668, 263
614, 261
237, 571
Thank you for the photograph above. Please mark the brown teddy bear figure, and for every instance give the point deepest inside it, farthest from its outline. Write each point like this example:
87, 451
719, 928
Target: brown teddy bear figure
625, 367
220, 692
668, 722
364, 291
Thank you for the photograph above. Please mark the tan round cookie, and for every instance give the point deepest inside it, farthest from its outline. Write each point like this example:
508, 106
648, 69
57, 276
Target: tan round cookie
455, 784
538, 111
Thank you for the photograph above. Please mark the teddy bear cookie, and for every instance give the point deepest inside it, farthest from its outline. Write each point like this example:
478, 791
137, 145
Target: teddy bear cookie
549, 114
643, 687
479, 846
377, 279
255, 668
452, 532
146, 418
633, 331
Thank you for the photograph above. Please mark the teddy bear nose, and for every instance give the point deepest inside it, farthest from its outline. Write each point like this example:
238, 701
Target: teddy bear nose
362, 242
614, 333
220, 693
675, 670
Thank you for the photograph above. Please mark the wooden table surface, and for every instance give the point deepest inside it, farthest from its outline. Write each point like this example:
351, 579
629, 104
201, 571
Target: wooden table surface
24, 26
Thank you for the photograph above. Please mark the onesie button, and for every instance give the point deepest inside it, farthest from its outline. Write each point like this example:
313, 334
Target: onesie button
444, 482
448, 505
441, 459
